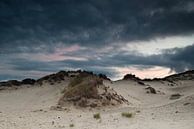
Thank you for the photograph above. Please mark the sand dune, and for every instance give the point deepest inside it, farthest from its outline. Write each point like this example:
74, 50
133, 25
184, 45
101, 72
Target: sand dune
29, 107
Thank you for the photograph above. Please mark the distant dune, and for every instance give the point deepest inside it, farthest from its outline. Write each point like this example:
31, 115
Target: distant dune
83, 100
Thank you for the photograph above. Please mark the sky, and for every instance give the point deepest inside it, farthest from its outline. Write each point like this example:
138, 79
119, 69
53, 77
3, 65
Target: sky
148, 38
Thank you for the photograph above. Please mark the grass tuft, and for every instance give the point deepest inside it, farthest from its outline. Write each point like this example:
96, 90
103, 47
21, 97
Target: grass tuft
71, 125
126, 114
76, 81
97, 116
83, 87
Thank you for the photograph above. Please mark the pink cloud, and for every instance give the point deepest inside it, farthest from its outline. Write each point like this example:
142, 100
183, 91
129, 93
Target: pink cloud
57, 55
73, 48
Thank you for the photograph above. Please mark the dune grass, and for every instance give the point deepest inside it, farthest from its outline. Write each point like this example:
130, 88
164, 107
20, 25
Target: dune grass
97, 116
83, 86
71, 125
75, 81
127, 114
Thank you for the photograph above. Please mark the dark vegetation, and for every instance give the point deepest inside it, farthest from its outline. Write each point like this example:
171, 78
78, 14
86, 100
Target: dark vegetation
97, 116
10, 83
83, 86
88, 90
187, 75
127, 115
71, 125
131, 77
29, 81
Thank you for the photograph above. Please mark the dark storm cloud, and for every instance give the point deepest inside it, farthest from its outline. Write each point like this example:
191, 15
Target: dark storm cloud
182, 58
90, 22
41, 26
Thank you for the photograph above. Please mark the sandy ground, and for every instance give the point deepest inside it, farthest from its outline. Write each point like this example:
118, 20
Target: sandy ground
29, 108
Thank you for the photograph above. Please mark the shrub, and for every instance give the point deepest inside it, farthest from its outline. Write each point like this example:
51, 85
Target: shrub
97, 116
126, 114
83, 87
75, 81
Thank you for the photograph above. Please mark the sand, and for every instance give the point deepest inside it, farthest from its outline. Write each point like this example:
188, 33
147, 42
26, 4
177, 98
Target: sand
28, 107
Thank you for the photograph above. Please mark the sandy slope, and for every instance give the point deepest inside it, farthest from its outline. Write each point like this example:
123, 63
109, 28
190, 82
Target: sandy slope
29, 108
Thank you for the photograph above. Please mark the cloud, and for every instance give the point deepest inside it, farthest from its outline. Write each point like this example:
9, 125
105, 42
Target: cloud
33, 23
47, 36
177, 59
